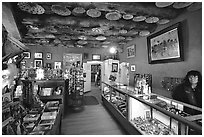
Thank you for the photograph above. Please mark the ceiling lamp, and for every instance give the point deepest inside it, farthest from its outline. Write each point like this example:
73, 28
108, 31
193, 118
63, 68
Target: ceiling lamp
163, 21
139, 18
151, 19
163, 4
144, 33
31, 7
79, 10
127, 16
113, 15
195, 6
94, 13
100, 38
61, 10
179, 5
112, 50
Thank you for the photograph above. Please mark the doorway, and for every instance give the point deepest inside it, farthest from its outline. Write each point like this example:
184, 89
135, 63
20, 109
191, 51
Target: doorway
93, 73
96, 74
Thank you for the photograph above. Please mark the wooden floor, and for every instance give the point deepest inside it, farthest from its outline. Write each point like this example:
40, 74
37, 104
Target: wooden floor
93, 120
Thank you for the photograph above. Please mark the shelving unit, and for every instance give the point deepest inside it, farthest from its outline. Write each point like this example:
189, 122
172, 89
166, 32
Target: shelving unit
151, 114
75, 88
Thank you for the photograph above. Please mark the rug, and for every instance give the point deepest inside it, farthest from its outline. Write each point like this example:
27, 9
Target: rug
90, 100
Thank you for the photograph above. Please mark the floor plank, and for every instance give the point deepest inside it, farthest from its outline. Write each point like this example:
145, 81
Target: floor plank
93, 120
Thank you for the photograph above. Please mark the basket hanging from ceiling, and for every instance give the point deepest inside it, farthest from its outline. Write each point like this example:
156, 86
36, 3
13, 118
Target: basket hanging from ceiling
113, 15
31, 7
61, 10
94, 13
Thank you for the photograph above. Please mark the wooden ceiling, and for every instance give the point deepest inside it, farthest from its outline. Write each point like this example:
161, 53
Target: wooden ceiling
92, 24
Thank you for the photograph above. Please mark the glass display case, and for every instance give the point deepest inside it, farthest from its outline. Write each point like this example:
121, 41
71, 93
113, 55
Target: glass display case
117, 99
49, 90
152, 114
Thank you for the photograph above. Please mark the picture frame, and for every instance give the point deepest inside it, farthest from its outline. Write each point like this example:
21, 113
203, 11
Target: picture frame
23, 64
49, 65
26, 55
131, 51
132, 68
114, 67
166, 45
49, 56
38, 63
38, 55
96, 57
57, 65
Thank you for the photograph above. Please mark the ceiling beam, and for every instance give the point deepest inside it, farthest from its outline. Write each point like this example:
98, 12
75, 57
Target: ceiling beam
9, 21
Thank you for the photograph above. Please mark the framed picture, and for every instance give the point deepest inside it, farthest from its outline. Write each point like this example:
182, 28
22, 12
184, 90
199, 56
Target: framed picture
23, 64
39, 55
38, 63
114, 67
26, 55
57, 65
131, 51
48, 65
49, 56
166, 45
96, 57
132, 68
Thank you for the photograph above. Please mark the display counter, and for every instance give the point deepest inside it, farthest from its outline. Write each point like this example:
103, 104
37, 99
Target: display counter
52, 95
150, 114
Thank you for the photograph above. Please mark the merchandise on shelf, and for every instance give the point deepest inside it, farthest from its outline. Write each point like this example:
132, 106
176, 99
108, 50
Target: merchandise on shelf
76, 87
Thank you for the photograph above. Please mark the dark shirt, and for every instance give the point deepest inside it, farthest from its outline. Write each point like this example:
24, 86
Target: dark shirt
188, 95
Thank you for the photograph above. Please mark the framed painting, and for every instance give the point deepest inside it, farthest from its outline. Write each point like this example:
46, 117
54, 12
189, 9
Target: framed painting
131, 51
38, 63
132, 68
166, 45
57, 65
114, 67
96, 57
49, 65
39, 55
49, 56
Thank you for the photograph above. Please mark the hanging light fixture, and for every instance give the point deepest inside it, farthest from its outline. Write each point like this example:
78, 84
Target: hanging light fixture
112, 50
